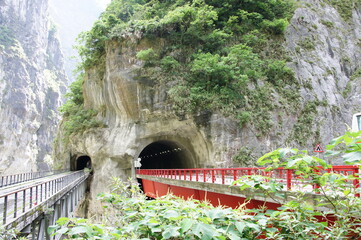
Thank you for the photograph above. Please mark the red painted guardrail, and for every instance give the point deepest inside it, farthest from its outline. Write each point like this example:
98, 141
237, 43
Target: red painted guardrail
229, 175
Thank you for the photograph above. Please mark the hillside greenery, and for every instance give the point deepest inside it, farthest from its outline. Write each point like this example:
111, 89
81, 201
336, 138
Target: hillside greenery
129, 215
76, 118
223, 56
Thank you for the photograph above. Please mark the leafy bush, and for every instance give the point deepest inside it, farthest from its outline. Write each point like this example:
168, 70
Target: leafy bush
277, 26
149, 56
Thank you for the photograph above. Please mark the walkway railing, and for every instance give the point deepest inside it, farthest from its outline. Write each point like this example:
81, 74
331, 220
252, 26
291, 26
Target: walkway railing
17, 203
229, 175
23, 177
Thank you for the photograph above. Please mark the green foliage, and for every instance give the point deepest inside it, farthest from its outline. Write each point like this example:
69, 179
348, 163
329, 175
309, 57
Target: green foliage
345, 7
356, 74
276, 27
168, 63
347, 89
244, 157
348, 146
213, 51
307, 44
7, 37
77, 119
148, 56
335, 190
327, 23
302, 130
131, 216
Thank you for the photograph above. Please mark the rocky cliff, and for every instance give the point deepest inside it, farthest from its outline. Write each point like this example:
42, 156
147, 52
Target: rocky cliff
322, 43
32, 83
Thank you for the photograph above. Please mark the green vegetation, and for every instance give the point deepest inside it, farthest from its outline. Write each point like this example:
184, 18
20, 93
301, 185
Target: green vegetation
307, 44
327, 23
347, 90
244, 157
223, 56
128, 215
77, 119
304, 127
345, 7
356, 74
7, 38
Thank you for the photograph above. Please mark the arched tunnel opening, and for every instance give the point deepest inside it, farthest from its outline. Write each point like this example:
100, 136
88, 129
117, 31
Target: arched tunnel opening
83, 162
165, 155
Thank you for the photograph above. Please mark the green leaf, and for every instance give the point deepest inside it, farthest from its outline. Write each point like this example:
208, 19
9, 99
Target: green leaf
346, 192
330, 153
52, 229
352, 157
186, 224
171, 214
170, 232
214, 214
62, 231
292, 163
78, 230
62, 221
240, 226
204, 231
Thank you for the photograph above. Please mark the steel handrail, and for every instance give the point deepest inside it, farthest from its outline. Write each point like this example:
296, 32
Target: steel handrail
32, 196
7, 180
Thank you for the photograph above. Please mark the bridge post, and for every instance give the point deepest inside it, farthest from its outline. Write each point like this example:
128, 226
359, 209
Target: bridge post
64, 207
68, 200
56, 213
46, 225
42, 229
72, 202
33, 229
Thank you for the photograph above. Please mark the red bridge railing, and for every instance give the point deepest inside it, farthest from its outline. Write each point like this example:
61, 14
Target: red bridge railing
229, 175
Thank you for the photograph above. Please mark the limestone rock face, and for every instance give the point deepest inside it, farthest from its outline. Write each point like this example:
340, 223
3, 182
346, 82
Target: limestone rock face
31, 85
324, 52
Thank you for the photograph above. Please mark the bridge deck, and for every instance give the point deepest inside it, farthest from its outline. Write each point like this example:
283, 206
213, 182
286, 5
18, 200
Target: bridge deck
21, 203
26, 184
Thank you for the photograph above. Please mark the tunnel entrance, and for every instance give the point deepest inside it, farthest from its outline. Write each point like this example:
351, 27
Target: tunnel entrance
165, 155
83, 162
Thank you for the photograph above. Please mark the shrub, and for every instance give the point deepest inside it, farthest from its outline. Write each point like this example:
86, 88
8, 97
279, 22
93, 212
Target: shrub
149, 56
276, 27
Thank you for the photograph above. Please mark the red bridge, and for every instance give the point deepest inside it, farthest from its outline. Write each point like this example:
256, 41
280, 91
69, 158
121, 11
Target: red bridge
217, 185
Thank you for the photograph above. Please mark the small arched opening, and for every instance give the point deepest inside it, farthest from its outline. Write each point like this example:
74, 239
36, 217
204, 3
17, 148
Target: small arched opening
165, 155
83, 162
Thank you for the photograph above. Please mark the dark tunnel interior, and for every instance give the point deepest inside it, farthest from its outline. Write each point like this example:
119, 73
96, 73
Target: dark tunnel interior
83, 162
165, 155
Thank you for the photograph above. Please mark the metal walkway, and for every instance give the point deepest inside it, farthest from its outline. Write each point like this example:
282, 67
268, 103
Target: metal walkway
32, 205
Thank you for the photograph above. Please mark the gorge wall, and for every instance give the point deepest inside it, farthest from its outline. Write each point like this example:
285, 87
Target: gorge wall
32, 83
323, 45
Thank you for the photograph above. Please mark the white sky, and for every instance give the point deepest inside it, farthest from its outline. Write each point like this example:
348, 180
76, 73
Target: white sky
103, 3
